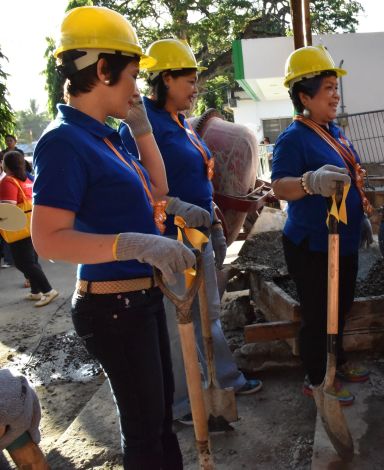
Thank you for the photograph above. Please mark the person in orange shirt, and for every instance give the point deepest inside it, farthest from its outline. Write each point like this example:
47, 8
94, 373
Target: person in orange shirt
12, 187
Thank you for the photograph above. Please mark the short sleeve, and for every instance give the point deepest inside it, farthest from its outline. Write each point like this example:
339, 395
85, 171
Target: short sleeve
288, 156
8, 191
128, 140
61, 176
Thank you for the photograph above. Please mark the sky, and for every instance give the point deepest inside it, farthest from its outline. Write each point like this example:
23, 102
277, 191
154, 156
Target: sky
26, 23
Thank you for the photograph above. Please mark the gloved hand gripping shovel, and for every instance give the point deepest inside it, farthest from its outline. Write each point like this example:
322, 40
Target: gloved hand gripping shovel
327, 403
192, 370
220, 404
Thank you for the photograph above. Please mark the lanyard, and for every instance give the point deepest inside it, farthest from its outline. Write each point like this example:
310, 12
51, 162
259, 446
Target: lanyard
209, 162
346, 155
158, 207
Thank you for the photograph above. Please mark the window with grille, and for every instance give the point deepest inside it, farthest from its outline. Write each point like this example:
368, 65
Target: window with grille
272, 128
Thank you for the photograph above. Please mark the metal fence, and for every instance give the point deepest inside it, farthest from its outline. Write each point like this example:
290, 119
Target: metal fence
366, 131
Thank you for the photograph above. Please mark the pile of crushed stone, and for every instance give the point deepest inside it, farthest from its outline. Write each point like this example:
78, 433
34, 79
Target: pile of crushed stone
263, 253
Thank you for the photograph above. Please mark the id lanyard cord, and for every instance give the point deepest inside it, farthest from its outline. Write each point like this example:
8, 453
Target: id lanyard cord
209, 162
159, 206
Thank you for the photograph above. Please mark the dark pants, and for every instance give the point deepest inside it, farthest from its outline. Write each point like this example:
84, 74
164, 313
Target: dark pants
128, 335
5, 251
26, 261
309, 271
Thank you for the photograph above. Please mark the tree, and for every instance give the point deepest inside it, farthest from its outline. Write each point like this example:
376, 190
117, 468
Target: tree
30, 123
7, 117
210, 26
54, 82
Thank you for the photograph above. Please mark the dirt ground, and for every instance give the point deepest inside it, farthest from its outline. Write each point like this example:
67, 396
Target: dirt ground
276, 426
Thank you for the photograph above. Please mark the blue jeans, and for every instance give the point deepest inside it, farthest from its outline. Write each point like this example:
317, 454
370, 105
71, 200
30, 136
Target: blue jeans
127, 334
228, 375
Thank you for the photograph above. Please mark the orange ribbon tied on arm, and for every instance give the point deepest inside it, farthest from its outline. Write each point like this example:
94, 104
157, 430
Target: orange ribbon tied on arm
196, 238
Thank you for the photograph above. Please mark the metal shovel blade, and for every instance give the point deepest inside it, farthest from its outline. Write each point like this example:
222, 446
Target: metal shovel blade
332, 416
220, 402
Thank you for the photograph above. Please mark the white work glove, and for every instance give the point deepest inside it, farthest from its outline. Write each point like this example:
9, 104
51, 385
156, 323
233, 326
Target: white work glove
194, 216
323, 180
137, 120
219, 245
169, 256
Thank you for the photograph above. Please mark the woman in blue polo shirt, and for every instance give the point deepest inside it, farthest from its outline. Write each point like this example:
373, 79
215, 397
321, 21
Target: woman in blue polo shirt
189, 167
309, 157
96, 206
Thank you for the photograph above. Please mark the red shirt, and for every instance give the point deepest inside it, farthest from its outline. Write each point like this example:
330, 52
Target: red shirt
10, 192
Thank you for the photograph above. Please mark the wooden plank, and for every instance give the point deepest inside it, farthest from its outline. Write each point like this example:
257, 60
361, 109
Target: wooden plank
271, 331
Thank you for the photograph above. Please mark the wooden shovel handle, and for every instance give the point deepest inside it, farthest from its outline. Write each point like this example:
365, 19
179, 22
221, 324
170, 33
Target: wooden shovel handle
206, 329
29, 457
333, 284
333, 268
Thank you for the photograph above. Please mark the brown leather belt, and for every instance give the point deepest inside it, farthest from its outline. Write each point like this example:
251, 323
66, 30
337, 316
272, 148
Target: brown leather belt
114, 287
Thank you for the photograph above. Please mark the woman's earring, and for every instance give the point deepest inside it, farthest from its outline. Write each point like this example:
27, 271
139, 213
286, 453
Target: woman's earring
107, 82
306, 113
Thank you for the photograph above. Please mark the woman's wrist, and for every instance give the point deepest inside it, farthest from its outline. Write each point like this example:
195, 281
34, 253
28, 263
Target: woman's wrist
304, 184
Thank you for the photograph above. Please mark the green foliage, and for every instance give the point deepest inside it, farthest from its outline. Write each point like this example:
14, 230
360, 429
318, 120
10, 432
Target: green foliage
215, 95
30, 123
7, 117
210, 26
54, 82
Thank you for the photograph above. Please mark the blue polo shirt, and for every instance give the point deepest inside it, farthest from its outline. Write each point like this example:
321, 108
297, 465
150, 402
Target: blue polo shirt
75, 170
297, 150
184, 164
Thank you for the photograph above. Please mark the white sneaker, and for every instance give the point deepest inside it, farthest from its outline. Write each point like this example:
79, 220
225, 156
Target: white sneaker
32, 296
47, 298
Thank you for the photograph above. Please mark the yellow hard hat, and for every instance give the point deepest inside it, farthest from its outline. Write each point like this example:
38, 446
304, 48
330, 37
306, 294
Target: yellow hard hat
307, 62
99, 28
172, 54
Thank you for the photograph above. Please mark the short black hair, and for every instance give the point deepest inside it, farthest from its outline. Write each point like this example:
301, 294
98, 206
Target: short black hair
308, 86
158, 88
82, 81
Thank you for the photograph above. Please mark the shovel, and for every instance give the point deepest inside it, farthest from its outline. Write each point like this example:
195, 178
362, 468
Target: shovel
192, 370
327, 404
220, 404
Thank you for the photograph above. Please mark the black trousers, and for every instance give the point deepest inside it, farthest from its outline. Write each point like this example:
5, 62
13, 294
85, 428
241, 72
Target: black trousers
127, 333
26, 261
309, 271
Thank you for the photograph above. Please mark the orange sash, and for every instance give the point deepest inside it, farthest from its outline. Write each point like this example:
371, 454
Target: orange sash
158, 207
346, 155
209, 162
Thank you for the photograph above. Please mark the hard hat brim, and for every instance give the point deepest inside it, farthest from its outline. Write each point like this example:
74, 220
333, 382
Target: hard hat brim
288, 82
147, 62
